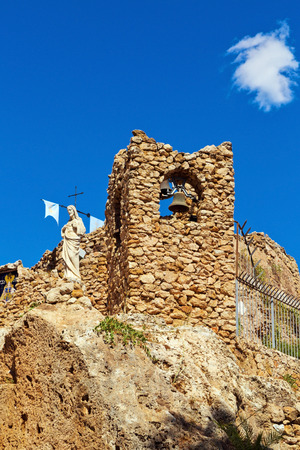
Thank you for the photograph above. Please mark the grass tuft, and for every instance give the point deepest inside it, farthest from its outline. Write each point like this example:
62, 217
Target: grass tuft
242, 436
113, 327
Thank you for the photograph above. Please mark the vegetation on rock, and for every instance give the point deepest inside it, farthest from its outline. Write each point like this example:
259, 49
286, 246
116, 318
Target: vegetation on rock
290, 380
112, 327
242, 436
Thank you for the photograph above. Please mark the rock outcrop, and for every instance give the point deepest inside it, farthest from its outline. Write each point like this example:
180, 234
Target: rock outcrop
277, 267
64, 387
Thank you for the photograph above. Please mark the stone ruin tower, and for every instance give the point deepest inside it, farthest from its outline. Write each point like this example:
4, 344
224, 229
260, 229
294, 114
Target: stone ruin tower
179, 267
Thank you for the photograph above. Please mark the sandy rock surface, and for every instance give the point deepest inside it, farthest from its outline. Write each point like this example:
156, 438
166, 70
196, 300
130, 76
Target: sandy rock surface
64, 387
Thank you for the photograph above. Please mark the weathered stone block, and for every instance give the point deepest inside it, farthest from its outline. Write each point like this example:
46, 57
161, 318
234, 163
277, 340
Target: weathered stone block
77, 293
290, 413
147, 278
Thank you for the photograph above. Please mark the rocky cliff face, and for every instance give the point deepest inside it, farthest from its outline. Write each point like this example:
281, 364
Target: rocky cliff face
276, 267
64, 387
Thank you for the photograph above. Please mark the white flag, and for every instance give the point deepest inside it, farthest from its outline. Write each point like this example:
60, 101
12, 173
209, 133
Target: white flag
95, 223
51, 209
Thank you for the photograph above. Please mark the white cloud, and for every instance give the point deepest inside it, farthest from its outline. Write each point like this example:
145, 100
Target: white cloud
266, 67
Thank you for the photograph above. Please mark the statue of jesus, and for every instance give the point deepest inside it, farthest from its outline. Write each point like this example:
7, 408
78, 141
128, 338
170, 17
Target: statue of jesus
72, 233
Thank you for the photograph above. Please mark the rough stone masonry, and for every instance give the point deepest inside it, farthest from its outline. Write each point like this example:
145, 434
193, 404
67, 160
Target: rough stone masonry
172, 267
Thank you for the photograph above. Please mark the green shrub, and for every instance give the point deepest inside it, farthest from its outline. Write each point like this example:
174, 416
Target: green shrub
30, 308
112, 328
260, 273
242, 436
291, 380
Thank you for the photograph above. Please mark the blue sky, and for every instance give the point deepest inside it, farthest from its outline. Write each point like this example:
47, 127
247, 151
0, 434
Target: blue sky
77, 77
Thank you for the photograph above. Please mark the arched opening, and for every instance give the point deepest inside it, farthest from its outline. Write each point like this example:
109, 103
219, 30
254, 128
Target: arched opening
179, 196
165, 199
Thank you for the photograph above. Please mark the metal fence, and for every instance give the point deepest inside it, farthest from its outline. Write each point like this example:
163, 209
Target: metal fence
264, 313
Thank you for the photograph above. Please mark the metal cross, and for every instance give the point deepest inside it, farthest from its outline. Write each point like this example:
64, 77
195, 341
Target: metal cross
75, 195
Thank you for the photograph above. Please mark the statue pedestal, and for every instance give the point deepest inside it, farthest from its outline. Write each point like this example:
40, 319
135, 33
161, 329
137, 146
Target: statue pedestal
69, 292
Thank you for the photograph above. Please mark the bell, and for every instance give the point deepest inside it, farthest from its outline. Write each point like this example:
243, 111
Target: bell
178, 204
165, 189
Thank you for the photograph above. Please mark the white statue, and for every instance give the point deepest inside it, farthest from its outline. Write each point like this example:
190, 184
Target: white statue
72, 233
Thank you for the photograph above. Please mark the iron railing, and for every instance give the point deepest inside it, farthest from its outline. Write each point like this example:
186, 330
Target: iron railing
264, 313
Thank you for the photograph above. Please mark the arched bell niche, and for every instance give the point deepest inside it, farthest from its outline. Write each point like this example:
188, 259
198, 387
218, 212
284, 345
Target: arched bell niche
180, 190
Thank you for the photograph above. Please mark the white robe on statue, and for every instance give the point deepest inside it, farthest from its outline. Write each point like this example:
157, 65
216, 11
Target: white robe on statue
72, 233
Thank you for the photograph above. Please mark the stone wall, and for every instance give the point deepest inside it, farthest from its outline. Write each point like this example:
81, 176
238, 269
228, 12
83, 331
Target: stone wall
92, 267
171, 266
35, 282
256, 359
